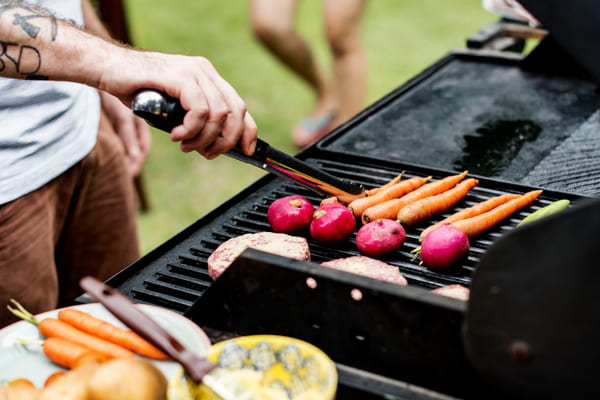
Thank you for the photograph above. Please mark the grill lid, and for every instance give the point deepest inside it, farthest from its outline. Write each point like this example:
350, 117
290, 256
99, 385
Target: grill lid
532, 322
575, 25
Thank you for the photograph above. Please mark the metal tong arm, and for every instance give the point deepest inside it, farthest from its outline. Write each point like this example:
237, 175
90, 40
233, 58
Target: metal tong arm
135, 319
166, 113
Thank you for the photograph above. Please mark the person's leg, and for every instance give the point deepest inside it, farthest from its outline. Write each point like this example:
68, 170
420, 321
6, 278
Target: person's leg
343, 20
99, 236
27, 269
273, 24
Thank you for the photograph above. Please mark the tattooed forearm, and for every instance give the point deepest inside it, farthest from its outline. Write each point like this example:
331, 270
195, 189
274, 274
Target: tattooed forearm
25, 59
26, 16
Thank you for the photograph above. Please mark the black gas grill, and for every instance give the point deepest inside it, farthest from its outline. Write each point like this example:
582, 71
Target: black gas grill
515, 123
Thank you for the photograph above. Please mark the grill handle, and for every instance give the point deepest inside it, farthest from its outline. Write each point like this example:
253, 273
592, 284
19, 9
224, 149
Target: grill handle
166, 113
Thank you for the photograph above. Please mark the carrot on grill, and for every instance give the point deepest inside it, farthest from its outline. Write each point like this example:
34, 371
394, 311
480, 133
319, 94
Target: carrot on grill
390, 208
366, 193
102, 329
480, 223
428, 206
472, 211
391, 192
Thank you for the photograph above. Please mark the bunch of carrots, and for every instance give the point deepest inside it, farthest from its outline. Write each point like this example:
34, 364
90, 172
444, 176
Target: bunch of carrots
76, 337
413, 200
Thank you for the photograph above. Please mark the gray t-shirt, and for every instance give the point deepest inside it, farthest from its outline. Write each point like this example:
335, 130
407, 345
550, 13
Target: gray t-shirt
45, 127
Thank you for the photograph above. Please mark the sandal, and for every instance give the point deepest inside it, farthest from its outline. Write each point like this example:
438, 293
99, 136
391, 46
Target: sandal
312, 129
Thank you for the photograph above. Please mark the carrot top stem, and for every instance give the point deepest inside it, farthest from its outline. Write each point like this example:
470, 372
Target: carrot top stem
22, 313
27, 342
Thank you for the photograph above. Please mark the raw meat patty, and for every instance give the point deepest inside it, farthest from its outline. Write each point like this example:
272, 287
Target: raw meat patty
276, 243
456, 291
369, 267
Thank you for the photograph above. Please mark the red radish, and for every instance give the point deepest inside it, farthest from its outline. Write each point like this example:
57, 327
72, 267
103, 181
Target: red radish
443, 246
290, 214
332, 223
380, 237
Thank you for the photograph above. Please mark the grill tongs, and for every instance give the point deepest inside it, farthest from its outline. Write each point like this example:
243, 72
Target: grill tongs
165, 113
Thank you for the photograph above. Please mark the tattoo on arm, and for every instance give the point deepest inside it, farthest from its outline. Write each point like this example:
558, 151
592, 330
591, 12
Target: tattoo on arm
30, 13
16, 55
26, 59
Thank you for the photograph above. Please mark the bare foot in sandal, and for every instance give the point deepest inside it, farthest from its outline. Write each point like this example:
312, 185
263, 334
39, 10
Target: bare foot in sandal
311, 129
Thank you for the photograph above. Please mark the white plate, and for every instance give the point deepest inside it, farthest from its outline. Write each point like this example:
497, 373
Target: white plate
18, 361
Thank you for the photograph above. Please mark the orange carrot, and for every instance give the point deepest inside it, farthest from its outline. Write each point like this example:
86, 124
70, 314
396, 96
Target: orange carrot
393, 181
112, 333
330, 200
63, 352
368, 192
480, 223
21, 382
391, 192
54, 328
390, 208
428, 206
472, 211
50, 327
53, 377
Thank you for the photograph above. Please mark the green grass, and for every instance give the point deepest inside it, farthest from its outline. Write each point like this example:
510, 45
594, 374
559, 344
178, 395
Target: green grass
401, 37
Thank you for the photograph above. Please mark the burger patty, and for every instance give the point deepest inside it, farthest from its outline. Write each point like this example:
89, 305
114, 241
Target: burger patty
456, 291
276, 243
369, 267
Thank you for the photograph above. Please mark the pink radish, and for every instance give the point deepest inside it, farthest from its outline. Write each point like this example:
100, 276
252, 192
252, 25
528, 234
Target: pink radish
380, 237
443, 246
332, 223
290, 214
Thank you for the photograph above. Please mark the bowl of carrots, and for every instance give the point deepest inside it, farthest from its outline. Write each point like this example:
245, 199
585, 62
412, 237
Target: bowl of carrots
61, 340
270, 367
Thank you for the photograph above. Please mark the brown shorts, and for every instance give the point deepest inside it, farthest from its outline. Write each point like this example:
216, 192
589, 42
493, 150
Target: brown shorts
81, 223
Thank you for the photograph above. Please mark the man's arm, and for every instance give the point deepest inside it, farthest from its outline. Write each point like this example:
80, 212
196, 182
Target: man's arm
35, 45
131, 130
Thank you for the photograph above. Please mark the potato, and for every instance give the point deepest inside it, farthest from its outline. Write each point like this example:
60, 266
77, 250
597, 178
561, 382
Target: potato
20, 392
72, 385
129, 379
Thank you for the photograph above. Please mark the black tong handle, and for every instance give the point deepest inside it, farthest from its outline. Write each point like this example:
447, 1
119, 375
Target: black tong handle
165, 113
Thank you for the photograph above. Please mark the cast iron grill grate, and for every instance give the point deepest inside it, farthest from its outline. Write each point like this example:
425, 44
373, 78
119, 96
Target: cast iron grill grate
179, 276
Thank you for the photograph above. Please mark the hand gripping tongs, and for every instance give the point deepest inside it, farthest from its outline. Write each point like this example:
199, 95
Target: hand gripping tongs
165, 113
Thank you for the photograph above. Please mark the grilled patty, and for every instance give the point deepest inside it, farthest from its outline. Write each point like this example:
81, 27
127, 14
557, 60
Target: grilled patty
456, 291
369, 267
276, 243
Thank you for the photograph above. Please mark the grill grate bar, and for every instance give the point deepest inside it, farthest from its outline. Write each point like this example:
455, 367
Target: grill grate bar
174, 303
172, 289
182, 276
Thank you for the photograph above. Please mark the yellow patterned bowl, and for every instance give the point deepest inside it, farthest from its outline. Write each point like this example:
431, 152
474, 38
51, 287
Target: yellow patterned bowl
273, 367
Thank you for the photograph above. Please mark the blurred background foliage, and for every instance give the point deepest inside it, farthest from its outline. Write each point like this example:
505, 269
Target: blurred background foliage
401, 37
